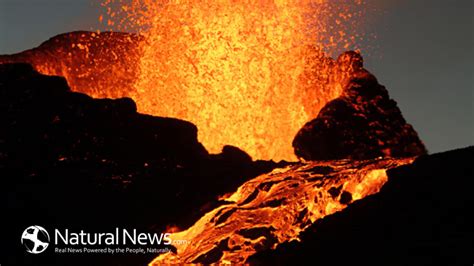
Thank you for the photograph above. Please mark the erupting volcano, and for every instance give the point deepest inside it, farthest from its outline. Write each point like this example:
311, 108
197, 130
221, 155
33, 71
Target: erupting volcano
178, 124
247, 73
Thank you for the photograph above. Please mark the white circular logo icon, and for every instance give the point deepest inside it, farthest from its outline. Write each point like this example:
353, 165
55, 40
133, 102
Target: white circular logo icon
35, 239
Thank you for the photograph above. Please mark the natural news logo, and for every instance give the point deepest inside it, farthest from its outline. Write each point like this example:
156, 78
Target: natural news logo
36, 240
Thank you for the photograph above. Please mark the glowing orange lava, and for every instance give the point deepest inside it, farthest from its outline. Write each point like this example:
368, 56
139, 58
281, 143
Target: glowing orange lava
247, 73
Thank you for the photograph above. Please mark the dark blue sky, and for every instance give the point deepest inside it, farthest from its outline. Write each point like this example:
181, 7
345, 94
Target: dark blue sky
423, 54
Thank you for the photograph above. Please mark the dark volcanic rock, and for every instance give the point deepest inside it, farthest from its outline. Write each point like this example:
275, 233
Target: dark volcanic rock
43, 119
362, 123
70, 161
421, 216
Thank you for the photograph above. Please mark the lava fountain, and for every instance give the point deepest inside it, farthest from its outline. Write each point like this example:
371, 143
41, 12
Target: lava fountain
247, 73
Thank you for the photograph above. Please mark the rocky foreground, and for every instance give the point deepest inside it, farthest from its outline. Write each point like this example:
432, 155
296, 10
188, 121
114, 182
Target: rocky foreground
67, 159
420, 216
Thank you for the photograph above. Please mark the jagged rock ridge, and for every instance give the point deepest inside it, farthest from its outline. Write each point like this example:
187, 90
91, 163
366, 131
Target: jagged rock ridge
362, 123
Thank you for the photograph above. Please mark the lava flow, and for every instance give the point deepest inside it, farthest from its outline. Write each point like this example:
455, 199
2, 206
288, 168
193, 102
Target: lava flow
274, 208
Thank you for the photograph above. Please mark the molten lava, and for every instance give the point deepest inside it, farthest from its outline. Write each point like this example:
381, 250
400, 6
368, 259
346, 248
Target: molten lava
247, 73
274, 208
